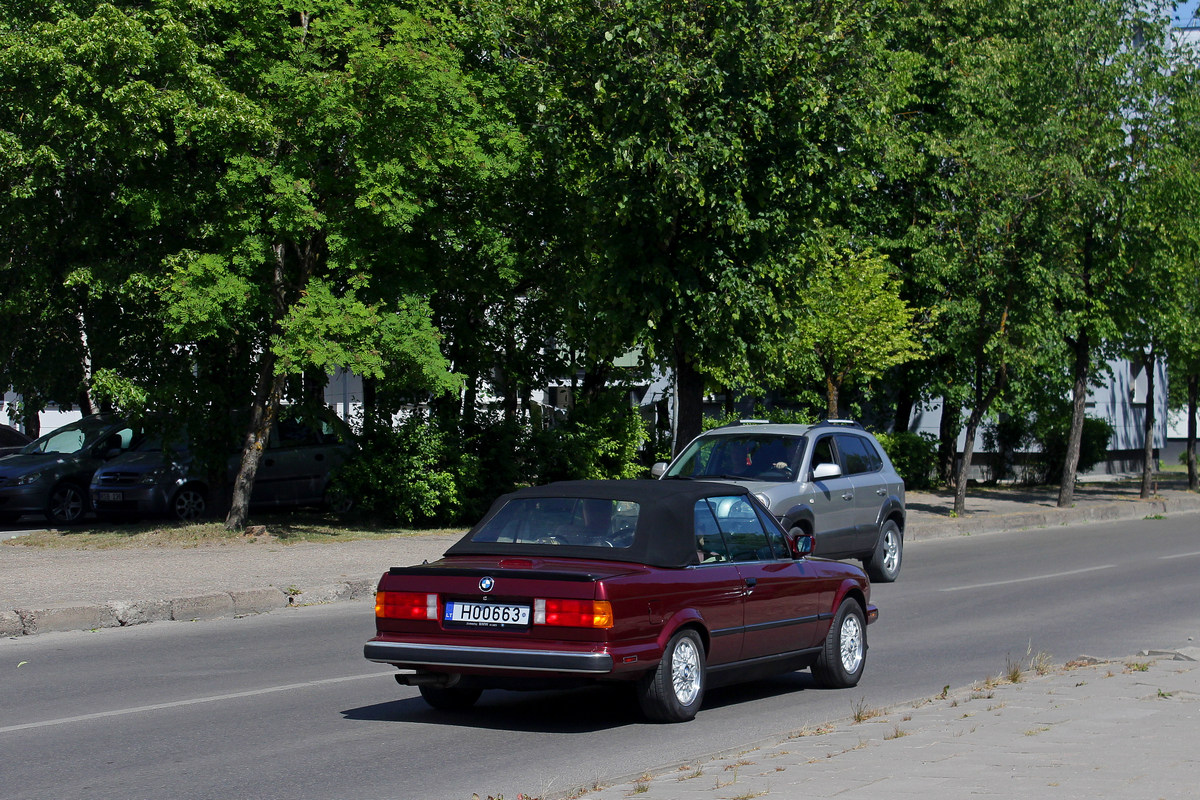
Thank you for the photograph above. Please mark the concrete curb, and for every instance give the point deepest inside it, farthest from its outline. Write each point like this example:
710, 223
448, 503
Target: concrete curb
237, 603
937, 527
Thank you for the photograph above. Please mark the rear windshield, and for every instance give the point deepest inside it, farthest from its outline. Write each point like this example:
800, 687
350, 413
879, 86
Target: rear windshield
576, 521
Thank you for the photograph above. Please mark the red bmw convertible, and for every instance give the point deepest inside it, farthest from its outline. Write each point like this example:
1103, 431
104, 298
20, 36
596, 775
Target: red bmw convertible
671, 587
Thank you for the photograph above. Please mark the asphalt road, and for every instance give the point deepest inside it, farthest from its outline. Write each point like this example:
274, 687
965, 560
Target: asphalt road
282, 705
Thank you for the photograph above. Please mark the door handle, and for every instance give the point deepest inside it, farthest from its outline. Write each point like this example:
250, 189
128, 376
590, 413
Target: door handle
751, 583
881, 492
848, 496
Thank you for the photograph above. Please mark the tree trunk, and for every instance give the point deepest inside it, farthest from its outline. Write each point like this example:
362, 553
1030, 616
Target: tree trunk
1193, 390
964, 467
371, 422
31, 419
267, 398
1082, 350
689, 400
1148, 430
948, 429
904, 409
831, 398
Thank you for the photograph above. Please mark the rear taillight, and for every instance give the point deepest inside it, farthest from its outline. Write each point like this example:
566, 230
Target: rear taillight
573, 613
406, 605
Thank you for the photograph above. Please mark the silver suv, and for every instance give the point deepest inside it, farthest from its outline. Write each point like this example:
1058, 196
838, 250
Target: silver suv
831, 480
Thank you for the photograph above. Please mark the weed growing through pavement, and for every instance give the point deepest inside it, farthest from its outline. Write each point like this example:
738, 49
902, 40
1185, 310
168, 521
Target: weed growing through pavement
1013, 671
695, 773
861, 712
820, 730
1036, 731
1163, 694
1137, 666
896, 733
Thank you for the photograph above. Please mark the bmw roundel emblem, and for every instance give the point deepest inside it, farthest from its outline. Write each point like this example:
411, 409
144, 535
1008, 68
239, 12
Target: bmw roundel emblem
486, 584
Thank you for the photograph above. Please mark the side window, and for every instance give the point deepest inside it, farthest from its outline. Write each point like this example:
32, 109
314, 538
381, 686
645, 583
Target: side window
710, 545
774, 534
876, 459
856, 454
742, 529
823, 452
292, 432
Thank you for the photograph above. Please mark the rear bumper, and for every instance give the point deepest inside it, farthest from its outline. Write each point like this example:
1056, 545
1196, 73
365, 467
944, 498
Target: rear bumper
443, 657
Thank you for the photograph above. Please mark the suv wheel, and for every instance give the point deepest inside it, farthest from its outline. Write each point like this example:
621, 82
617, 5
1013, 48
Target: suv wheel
884, 564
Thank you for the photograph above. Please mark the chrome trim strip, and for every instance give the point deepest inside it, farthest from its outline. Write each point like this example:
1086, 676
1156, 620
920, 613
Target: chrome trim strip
432, 655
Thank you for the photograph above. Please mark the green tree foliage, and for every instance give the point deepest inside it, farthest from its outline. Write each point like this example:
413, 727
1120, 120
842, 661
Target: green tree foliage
851, 317
691, 144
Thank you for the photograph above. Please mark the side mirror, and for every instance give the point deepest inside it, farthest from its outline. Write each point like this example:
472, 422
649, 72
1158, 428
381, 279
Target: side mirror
825, 471
658, 469
802, 545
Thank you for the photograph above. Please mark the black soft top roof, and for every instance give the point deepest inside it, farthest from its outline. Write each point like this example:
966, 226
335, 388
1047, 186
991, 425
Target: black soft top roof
665, 532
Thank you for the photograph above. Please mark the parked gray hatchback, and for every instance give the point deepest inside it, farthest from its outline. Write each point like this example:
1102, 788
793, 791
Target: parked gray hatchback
165, 480
50, 475
831, 480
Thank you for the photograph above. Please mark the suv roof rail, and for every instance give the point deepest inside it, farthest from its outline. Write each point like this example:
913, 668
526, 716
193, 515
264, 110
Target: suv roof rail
840, 423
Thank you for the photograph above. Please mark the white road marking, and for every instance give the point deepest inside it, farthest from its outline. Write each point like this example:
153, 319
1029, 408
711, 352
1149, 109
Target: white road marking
194, 701
1179, 555
1026, 579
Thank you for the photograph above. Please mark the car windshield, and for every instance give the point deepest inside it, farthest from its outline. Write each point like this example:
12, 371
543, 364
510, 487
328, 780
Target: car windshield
741, 457
578, 521
79, 435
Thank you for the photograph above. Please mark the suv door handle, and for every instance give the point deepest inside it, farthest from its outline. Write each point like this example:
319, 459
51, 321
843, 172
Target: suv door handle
881, 492
751, 583
848, 496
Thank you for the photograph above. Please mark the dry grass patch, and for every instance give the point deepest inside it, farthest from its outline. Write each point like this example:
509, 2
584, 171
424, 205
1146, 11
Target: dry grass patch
278, 528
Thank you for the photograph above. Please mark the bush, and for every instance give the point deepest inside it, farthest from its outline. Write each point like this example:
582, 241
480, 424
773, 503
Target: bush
402, 477
914, 455
600, 439
1052, 437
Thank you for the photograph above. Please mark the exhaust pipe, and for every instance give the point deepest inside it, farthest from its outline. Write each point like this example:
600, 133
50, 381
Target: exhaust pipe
441, 680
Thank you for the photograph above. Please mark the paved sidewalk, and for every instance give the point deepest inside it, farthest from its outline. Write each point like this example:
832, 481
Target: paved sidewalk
1091, 729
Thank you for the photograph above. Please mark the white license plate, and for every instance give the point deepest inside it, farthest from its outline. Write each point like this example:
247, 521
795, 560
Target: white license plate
487, 615
109, 497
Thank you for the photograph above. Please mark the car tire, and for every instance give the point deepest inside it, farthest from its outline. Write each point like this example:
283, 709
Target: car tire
189, 504
844, 653
451, 698
884, 564
338, 502
67, 504
674, 691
